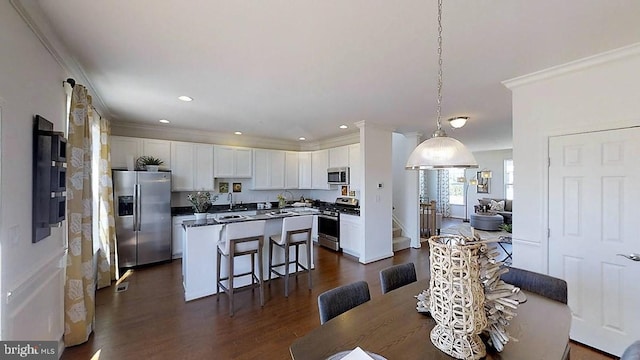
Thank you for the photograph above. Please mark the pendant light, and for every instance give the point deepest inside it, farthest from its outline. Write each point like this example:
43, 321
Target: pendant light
440, 151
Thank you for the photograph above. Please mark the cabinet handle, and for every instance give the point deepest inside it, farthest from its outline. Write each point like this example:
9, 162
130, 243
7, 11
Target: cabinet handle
632, 256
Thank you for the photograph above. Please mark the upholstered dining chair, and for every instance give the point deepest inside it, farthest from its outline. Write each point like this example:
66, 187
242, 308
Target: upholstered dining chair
296, 231
541, 284
396, 276
238, 239
334, 302
632, 352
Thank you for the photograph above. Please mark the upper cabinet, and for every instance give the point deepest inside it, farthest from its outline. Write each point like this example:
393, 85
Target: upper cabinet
232, 162
193, 166
355, 167
291, 170
339, 157
268, 169
203, 172
319, 166
304, 170
126, 150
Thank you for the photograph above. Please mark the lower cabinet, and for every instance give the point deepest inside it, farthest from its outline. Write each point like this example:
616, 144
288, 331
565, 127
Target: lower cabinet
351, 234
177, 234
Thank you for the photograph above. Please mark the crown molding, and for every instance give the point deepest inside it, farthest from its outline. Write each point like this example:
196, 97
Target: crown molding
32, 15
573, 66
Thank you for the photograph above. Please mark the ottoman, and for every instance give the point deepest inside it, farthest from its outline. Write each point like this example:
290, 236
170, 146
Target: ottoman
490, 222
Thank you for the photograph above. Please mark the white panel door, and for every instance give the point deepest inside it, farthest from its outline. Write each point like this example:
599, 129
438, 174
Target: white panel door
224, 163
243, 163
594, 192
319, 166
261, 169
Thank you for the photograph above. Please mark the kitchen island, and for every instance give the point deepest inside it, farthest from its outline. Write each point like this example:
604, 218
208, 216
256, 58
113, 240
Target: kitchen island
199, 249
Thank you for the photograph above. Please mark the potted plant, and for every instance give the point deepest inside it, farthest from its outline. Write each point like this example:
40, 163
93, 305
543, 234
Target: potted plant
201, 202
149, 163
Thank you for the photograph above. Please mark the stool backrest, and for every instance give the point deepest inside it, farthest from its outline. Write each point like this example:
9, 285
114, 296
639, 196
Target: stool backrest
296, 223
242, 230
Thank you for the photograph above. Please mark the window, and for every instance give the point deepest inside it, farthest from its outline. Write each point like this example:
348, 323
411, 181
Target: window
456, 188
508, 179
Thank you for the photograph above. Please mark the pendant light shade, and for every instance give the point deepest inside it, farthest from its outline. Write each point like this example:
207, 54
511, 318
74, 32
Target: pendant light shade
441, 152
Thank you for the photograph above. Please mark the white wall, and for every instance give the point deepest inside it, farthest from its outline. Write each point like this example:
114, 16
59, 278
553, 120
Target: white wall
30, 83
490, 160
406, 189
376, 205
597, 93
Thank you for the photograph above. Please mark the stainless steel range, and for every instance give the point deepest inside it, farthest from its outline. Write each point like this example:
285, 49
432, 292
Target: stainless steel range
329, 220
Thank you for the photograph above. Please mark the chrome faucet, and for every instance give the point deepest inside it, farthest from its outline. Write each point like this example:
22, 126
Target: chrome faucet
230, 199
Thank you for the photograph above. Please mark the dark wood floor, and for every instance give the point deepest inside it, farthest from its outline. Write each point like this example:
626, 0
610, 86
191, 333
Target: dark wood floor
152, 321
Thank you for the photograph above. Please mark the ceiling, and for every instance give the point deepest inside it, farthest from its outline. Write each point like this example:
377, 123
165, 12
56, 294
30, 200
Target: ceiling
286, 69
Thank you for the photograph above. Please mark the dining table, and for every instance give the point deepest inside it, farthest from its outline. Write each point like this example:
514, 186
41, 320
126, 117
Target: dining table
390, 327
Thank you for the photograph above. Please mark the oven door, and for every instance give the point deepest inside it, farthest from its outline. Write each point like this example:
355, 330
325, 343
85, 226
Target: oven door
329, 232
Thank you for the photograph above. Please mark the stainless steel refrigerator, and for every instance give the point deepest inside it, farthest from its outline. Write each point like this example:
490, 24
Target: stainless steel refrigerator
142, 202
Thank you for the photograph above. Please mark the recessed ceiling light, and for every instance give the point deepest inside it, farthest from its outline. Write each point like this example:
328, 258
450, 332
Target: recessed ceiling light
458, 122
164, 121
238, 132
343, 127
302, 138
185, 98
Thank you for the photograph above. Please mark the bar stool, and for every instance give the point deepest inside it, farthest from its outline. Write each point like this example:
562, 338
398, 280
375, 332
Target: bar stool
296, 231
242, 238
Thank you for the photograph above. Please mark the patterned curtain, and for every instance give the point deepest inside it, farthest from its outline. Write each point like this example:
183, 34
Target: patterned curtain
442, 204
107, 269
79, 288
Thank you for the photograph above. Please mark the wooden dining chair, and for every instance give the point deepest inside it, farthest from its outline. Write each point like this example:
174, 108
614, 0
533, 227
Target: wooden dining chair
334, 302
541, 284
632, 352
243, 238
396, 276
296, 231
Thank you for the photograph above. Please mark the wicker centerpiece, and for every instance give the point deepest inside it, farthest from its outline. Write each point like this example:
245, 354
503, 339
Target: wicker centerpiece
457, 296
465, 283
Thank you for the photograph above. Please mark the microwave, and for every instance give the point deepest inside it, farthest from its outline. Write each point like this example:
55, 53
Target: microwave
338, 176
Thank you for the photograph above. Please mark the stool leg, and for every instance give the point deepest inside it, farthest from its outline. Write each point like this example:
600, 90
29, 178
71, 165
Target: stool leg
230, 282
260, 275
270, 261
253, 271
219, 257
297, 261
286, 270
309, 260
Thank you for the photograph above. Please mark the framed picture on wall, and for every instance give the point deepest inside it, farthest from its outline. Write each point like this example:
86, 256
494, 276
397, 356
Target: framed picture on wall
483, 184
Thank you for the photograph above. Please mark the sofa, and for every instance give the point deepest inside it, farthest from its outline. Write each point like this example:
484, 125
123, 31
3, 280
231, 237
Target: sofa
484, 205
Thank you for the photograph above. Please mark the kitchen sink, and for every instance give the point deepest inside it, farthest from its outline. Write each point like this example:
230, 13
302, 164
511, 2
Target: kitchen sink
227, 217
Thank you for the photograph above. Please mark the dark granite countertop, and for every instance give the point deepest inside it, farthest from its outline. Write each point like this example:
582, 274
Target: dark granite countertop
263, 215
217, 209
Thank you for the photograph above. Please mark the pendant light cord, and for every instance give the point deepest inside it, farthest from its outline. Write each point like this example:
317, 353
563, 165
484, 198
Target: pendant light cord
439, 107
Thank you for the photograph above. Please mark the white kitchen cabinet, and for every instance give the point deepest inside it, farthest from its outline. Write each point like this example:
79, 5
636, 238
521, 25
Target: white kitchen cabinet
203, 171
193, 166
125, 147
268, 169
355, 168
291, 170
159, 149
182, 174
339, 156
232, 162
177, 234
304, 170
351, 234
319, 166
